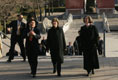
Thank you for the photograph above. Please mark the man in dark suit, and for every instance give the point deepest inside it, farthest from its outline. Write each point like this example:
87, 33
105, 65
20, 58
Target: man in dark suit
17, 33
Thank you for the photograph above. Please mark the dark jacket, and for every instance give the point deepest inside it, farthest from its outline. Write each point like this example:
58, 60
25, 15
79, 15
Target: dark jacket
13, 25
56, 43
34, 44
89, 41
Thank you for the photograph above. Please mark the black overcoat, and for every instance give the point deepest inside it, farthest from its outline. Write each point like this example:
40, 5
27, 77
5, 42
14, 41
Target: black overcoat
56, 43
89, 41
32, 46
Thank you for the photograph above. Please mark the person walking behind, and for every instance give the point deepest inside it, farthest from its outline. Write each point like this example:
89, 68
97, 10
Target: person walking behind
32, 45
79, 43
43, 43
100, 46
70, 49
17, 36
56, 43
89, 42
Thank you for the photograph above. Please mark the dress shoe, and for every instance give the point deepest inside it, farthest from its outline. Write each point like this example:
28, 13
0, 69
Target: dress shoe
8, 60
88, 73
33, 75
59, 74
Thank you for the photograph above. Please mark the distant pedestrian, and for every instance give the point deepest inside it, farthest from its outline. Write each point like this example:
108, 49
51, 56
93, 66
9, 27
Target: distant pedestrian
100, 46
89, 41
75, 46
32, 45
70, 49
43, 44
42, 50
43, 41
79, 44
56, 43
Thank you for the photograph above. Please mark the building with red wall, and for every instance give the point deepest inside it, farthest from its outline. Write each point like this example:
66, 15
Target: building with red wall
79, 6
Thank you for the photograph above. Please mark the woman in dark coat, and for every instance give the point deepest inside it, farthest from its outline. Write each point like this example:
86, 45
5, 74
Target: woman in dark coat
32, 45
89, 41
56, 44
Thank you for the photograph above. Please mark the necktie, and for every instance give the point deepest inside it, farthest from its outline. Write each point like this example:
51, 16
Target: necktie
18, 28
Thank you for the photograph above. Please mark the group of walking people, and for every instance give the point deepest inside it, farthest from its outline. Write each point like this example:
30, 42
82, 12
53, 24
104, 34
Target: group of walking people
55, 43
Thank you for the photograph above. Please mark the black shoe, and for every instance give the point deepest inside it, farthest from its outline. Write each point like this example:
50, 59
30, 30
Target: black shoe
88, 73
59, 74
33, 75
8, 60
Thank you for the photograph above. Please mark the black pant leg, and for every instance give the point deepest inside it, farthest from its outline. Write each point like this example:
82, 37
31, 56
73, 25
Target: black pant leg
11, 51
34, 65
32, 59
22, 48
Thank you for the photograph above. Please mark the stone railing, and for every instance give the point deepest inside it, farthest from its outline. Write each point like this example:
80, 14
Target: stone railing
47, 24
66, 26
105, 23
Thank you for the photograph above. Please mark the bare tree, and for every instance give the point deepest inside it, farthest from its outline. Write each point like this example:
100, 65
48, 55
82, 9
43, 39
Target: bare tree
7, 10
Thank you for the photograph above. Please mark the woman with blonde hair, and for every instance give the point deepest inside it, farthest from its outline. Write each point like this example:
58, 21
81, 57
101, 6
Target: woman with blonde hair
56, 43
89, 42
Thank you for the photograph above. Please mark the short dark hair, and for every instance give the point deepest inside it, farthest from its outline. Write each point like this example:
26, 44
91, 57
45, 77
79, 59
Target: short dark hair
19, 14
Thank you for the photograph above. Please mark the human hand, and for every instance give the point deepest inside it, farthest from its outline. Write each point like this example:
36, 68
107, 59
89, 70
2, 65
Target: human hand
9, 29
32, 33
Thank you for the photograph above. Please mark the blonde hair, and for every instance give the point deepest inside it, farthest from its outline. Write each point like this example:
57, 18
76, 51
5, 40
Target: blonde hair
55, 20
89, 18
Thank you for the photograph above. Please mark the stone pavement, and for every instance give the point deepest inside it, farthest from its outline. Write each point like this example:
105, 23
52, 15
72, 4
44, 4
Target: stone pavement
72, 69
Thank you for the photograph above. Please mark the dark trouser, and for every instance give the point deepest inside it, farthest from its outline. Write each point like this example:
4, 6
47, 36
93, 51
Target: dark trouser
100, 51
57, 66
32, 59
21, 45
